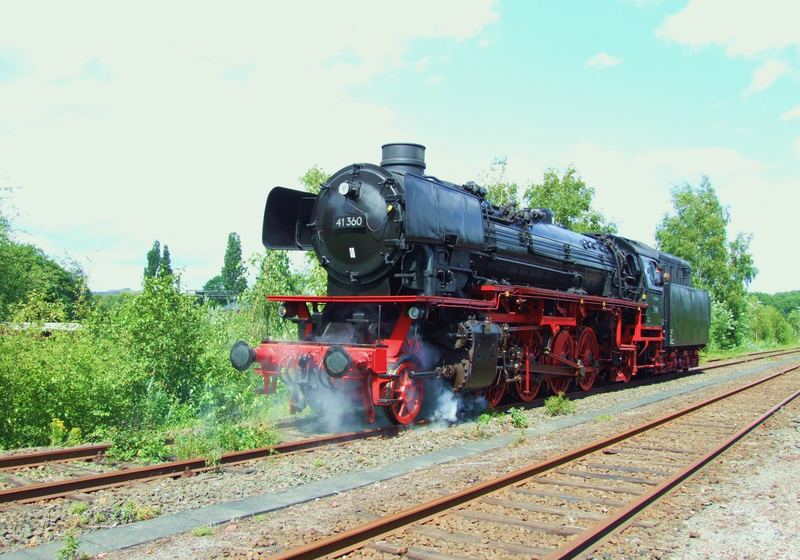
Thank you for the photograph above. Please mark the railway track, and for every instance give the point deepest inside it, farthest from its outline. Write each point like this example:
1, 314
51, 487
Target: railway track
565, 506
23, 491
118, 477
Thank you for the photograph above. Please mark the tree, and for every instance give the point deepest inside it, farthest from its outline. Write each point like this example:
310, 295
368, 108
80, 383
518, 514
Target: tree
274, 278
25, 269
785, 302
697, 232
316, 279
165, 266
153, 260
501, 190
233, 270
215, 284
314, 178
570, 200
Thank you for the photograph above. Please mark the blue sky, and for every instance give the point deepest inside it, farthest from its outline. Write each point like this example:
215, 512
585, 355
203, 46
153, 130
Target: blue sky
119, 126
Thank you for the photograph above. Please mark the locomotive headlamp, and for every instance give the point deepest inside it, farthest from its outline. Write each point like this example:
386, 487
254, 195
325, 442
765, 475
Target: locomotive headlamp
282, 310
336, 361
242, 355
416, 313
350, 190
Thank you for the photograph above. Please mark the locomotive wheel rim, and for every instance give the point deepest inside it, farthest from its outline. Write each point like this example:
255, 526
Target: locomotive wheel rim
409, 393
626, 369
533, 388
564, 346
532, 354
495, 393
587, 354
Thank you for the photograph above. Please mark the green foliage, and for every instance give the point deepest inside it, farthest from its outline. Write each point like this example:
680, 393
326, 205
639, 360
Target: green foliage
132, 511
275, 278
153, 260
770, 326
794, 322
316, 277
25, 269
165, 266
57, 432
211, 441
518, 418
158, 263
216, 284
146, 445
785, 302
697, 232
722, 333
501, 190
233, 270
558, 405
164, 337
155, 359
567, 195
79, 508
70, 550
314, 178
204, 531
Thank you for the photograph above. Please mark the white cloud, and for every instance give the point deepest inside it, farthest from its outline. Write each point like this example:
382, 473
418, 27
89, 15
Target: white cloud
742, 28
765, 75
171, 121
602, 59
793, 113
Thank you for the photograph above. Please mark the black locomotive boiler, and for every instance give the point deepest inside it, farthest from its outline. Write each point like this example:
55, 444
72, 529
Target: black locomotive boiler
427, 278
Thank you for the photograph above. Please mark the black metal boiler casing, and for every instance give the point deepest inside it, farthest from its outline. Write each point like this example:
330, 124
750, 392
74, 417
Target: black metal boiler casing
390, 229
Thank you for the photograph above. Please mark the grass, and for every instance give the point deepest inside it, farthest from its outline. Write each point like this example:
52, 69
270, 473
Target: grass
603, 418
559, 405
133, 511
519, 440
202, 531
70, 550
79, 508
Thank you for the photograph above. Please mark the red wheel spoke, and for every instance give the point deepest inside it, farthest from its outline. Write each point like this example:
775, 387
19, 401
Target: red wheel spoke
563, 346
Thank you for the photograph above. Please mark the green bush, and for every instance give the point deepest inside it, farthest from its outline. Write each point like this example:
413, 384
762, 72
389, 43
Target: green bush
518, 418
558, 405
157, 359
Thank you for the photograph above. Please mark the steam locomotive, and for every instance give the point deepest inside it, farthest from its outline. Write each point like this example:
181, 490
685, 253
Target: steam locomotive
429, 279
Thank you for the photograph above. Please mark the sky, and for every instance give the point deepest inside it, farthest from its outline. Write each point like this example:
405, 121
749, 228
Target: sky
122, 123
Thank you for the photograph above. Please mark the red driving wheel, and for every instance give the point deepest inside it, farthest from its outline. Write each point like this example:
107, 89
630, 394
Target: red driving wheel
563, 346
408, 394
588, 355
495, 392
528, 385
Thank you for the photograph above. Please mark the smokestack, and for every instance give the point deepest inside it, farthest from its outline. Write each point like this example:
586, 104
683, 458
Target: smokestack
403, 157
